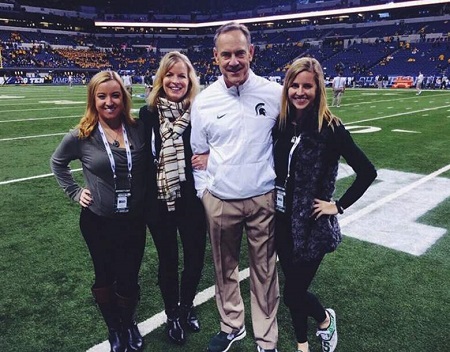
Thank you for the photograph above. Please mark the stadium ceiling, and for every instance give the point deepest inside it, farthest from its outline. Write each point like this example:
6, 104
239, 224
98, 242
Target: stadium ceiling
292, 16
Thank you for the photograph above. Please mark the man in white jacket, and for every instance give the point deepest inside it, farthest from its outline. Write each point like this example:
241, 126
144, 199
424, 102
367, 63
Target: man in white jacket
232, 120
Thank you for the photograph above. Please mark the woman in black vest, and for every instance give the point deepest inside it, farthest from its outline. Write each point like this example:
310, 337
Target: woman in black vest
172, 192
309, 142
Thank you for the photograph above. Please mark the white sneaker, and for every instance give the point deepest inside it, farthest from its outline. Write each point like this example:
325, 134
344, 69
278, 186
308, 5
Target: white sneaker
329, 335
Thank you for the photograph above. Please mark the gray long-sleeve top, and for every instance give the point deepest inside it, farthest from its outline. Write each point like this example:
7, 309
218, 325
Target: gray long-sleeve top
97, 172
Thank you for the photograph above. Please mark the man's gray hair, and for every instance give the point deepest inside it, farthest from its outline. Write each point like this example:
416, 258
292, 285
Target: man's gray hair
233, 26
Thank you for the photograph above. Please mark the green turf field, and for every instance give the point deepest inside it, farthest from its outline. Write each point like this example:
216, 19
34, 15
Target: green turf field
388, 281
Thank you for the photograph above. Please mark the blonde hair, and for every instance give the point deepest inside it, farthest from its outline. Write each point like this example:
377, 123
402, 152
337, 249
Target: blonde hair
90, 118
320, 104
165, 65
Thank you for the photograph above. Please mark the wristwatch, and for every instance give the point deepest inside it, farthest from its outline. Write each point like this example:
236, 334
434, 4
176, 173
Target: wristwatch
338, 206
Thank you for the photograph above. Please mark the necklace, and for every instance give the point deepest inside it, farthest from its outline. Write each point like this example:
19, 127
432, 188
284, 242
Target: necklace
295, 135
115, 142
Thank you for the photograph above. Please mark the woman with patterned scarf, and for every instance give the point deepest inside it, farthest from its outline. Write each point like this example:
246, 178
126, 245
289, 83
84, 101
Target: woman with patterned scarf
172, 193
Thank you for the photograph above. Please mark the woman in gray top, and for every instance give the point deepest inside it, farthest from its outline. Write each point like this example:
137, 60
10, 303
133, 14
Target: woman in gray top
111, 147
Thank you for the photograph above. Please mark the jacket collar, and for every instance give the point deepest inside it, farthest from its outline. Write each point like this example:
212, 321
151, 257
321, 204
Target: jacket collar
237, 90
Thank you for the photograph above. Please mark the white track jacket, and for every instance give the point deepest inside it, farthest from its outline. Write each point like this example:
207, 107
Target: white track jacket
235, 126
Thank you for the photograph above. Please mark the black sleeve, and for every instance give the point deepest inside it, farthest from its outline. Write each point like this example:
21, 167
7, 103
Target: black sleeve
151, 203
358, 161
144, 115
275, 133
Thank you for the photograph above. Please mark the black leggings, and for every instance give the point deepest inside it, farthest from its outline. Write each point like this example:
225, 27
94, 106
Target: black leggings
298, 277
301, 303
187, 221
116, 247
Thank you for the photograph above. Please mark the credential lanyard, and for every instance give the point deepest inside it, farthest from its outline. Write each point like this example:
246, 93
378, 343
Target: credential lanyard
110, 155
291, 153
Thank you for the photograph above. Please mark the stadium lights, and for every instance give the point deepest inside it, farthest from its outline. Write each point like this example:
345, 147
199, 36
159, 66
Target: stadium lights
299, 15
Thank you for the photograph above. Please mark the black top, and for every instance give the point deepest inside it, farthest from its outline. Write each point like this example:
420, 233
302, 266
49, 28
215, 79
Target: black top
339, 143
153, 137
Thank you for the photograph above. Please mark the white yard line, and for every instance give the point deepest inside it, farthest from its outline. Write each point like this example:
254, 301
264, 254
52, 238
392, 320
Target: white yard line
355, 216
60, 107
40, 118
31, 178
398, 114
28, 137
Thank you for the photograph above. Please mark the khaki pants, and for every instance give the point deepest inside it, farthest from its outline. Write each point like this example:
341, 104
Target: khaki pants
226, 221
337, 96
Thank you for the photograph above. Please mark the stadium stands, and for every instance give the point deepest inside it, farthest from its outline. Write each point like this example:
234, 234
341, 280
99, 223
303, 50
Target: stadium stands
364, 49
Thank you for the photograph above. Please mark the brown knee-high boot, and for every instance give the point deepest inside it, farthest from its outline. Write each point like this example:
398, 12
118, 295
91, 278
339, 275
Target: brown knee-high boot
127, 310
106, 301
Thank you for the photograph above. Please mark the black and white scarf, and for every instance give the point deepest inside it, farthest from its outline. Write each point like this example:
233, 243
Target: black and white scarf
173, 120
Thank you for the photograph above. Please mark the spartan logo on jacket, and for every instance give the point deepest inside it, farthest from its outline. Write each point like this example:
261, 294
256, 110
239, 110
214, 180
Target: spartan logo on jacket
259, 109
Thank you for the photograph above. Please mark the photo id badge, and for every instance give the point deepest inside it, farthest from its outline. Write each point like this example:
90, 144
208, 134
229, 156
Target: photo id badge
122, 198
280, 199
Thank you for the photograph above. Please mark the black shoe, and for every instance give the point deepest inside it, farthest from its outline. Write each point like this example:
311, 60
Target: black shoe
134, 338
106, 301
127, 311
115, 340
175, 331
190, 319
